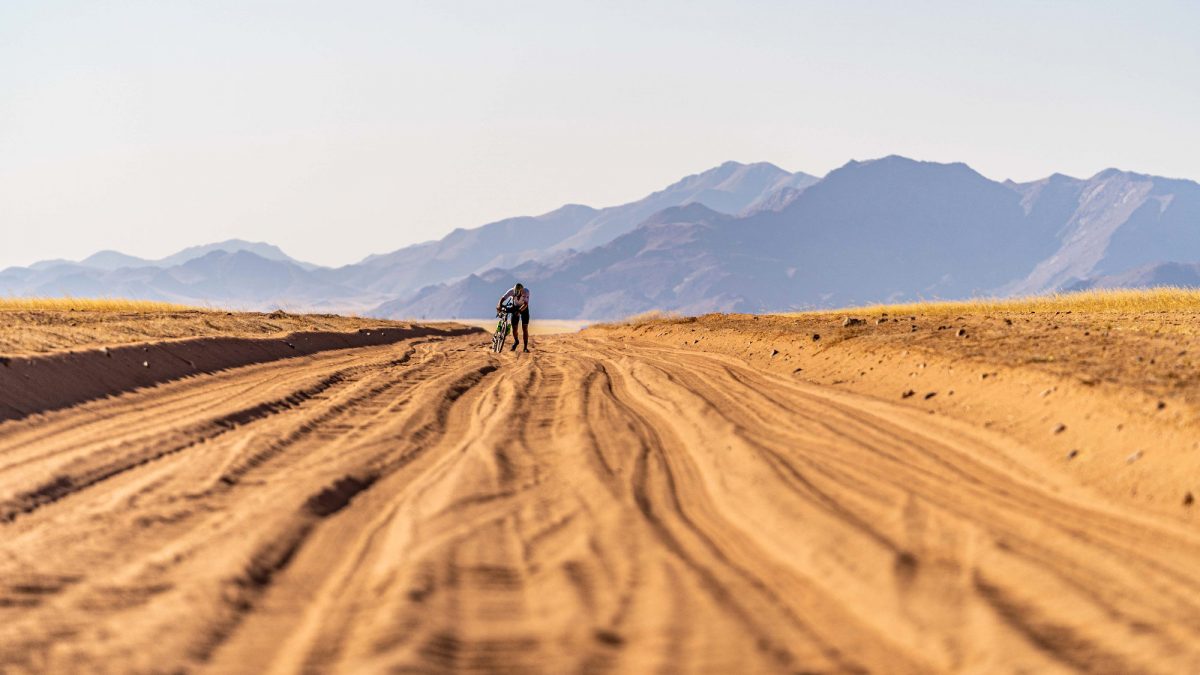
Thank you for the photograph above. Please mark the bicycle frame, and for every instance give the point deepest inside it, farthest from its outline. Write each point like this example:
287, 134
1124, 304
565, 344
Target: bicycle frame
501, 335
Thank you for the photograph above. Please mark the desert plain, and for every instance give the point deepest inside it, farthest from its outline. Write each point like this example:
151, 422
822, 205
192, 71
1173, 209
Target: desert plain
1003, 487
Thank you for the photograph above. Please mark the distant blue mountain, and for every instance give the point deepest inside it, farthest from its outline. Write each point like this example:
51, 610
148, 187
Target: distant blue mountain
731, 187
738, 237
886, 230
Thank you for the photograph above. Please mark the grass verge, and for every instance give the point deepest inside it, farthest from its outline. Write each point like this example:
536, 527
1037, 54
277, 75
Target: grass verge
1160, 299
89, 305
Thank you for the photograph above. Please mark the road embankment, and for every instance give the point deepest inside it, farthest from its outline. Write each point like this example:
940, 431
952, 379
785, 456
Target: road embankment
1111, 399
42, 382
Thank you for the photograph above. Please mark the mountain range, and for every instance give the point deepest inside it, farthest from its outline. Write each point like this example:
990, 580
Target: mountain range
738, 237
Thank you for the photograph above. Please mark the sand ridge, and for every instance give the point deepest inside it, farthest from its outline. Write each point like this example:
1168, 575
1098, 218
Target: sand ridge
37, 383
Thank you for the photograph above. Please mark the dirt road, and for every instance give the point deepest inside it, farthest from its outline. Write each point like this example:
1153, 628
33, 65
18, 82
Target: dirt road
591, 507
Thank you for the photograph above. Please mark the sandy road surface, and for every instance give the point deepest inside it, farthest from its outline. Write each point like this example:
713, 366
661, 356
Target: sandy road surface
590, 507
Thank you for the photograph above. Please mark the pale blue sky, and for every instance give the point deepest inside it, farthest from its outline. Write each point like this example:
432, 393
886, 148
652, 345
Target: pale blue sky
338, 129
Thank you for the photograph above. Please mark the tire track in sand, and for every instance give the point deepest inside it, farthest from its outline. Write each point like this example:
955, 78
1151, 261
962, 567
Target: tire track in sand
591, 507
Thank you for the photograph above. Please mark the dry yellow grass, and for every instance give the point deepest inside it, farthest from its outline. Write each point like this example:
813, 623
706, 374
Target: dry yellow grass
1131, 304
41, 330
1163, 299
89, 305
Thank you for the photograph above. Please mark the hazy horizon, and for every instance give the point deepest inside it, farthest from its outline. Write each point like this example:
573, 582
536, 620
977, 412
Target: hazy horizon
337, 133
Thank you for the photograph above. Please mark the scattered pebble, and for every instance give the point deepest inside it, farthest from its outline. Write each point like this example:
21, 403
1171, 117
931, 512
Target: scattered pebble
1008, 322
1134, 457
774, 352
1047, 392
930, 395
1161, 405
816, 336
908, 393
1072, 454
145, 364
1188, 499
962, 332
851, 321
880, 320
1059, 428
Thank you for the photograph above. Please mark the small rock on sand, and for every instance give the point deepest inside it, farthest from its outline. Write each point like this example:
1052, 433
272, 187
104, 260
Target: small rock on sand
1072, 454
1188, 499
851, 321
816, 336
962, 332
1059, 428
908, 393
1134, 457
145, 364
930, 395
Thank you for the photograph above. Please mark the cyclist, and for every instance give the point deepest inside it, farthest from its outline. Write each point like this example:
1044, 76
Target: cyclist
516, 299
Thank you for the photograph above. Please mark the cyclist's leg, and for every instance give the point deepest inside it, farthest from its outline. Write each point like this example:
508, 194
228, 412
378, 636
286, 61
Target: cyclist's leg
524, 326
514, 318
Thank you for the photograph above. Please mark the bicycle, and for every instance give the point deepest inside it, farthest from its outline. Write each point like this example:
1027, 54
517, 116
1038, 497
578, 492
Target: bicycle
502, 327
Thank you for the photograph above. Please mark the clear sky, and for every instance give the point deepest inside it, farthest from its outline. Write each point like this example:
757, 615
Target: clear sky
339, 129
